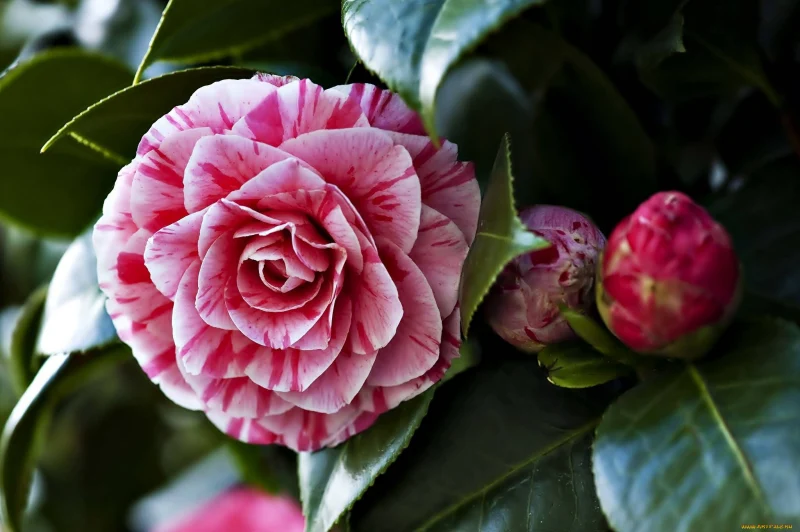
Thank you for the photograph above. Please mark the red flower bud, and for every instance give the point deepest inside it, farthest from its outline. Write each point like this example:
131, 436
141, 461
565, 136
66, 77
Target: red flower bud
669, 278
523, 307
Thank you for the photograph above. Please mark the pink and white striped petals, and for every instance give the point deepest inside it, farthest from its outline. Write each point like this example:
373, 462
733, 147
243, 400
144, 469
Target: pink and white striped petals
287, 258
384, 109
440, 251
449, 186
171, 251
377, 310
221, 164
381, 399
377, 176
294, 370
296, 108
157, 190
218, 267
414, 349
217, 106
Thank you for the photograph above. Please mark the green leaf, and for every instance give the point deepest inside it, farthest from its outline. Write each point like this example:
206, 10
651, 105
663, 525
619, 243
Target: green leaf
271, 468
589, 142
61, 192
577, 365
116, 124
763, 220
26, 428
713, 444
500, 449
412, 44
23, 340
599, 337
332, 480
75, 317
655, 30
721, 55
201, 30
501, 237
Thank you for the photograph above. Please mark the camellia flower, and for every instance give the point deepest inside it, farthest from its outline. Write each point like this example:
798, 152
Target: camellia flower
523, 307
241, 510
287, 258
669, 281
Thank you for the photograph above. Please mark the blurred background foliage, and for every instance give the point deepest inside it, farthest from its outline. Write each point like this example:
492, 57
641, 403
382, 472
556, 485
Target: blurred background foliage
605, 100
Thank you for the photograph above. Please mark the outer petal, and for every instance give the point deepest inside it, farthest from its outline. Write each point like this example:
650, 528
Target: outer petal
296, 108
377, 176
170, 251
221, 164
384, 109
217, 106
157, 191
297, 429
414, 349
115, 227
378, 399
440, 251
448, 185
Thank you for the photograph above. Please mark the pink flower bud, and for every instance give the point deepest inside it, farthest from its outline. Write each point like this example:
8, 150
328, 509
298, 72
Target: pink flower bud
669, 278
524, 305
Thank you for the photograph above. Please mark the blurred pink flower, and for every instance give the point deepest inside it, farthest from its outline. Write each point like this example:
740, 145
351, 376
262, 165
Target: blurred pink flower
287, 258
241, 510
523, 307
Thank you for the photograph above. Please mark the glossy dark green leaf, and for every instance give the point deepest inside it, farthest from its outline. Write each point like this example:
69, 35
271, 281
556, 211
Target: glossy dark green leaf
596, 335
201, 30
721, 56
713, 444
501, 237
269, 467
500, 449
26, 262
332, 480
23, 340
578, 365
75, 317
654, 30
26, 427
764, 222
412, 44
116, 124
61, 192
590, 141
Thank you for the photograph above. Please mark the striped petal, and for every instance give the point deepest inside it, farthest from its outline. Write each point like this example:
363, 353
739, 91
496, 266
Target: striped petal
381, 399
296, 108
218, 268
414, 349
449, 186
115, 227
217, 106
377, 310
170, 251
383, 108
440, 251
157, 191
292, 370
377, 176
277, 330
221, 164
